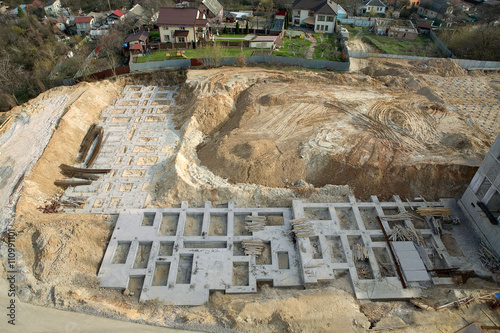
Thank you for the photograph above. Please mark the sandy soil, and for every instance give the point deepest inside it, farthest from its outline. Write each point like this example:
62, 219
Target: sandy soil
265, 137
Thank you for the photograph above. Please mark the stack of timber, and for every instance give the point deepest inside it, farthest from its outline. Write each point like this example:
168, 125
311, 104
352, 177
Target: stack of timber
94, 134
430, 211
409, 233
253, 246
302, 228
85, 176
255, 223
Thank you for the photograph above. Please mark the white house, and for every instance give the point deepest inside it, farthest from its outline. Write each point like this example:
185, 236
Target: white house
321, 15
369, 6
52, 7
83, 24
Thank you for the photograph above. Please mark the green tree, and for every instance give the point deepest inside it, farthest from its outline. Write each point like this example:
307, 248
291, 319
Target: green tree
247, 29
237, 29
225, 29
21, 13
213, 54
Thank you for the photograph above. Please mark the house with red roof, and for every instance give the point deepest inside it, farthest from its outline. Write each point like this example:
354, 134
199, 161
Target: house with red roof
178, 25
83, 24
115, 16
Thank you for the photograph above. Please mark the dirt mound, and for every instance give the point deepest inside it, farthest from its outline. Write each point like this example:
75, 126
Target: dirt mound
331, 135
403, 68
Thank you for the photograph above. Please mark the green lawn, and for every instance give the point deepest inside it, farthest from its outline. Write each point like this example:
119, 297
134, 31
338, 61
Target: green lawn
229, 39
327, 47
230, 36
198, 53
423, 46
294, 47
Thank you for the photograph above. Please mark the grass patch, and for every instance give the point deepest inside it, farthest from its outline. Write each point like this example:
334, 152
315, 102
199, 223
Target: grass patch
293, 47
327, 47
229, 40
198, 53
423, 46
231, 36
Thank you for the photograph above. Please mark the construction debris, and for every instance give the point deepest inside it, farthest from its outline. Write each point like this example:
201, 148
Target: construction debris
255, 223
74, 202
253, 246
302, 228
430, 211
359, 252
488, 258
423, 303
403, 234
52, 206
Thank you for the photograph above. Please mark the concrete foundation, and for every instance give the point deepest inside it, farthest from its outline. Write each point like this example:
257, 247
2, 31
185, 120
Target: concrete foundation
184, 253
139, 139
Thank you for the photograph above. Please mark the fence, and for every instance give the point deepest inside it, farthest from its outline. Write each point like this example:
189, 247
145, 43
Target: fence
447, 53
358, 21
266, 59
464, 63
191, 45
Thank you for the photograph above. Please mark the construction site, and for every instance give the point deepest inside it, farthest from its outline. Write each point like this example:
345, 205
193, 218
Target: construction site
244, 199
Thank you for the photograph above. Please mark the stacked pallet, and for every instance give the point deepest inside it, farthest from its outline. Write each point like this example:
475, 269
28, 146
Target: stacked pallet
255, 223
302, 228
253, 246
430, 211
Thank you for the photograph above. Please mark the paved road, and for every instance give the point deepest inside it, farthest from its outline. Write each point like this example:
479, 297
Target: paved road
32, 318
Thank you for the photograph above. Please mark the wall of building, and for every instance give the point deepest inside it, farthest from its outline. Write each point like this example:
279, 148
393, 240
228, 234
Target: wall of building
485, 188
301, 15
328, 26
169, 31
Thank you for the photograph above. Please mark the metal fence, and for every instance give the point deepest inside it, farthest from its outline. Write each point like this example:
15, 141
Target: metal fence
358, 21
447, 53
266, 59
464, 63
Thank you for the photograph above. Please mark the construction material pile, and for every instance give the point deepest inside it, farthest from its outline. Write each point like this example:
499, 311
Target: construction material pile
431, 211
253, 246
302, 228
409, 233
94, 133
255, 223
488, 258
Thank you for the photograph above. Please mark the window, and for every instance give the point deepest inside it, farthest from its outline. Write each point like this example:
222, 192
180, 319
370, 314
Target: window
326, 28
183, 28
317, 27
311, 13
321, 17
182, 39
330, 18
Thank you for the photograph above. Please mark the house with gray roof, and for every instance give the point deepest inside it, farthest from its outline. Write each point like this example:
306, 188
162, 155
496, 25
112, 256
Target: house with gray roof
434, 9
372, 6
320, 15
212, 8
